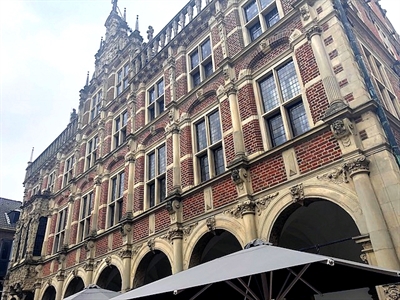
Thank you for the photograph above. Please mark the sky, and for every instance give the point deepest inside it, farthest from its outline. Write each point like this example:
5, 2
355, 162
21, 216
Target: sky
46, 49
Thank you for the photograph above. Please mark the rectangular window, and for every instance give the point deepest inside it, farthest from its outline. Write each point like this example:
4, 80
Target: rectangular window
209, 151
122, 78
91, 152
155, 100
156, 169
259, 15
68, 170
284, 111
120, 124
50, 181
60, 230
116, 199
201, 63
84, 216
95, 105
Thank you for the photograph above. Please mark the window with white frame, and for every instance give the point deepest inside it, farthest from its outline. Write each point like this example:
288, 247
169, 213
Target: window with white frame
95, 105
51, 181
200, 63
382, 83
209, 151
116, 199
156, 168
68, 170
385, 40
59, 235
260, 15
119, 136
84, 216
91, 152
35, 190
283, 109
155, 100
122, 78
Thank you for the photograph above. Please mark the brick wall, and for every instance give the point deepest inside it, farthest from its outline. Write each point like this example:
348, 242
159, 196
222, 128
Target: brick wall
267, 173
193, 205
223, 191
162, 219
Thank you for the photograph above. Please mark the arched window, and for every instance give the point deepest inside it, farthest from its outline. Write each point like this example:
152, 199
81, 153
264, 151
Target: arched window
37, 248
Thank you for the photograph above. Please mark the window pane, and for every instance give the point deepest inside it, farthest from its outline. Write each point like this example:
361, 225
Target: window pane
194, 59
215, 127
152, 95
196, 79
162, 189
208, 69
219, 161
204, 169
251, 10
160, 105
272, 17
124, 118
205, 50
152, 113
269, 93
160, 87
152, 194
117, 124
121, 185
161, 160
277, 131
298, 119
112, 212
152, 166
255, 31
288, 81
201, 136
113, 189
265, 3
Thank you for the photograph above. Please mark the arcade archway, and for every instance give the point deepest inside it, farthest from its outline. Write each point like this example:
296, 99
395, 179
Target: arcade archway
110, 279
213, 245
76, 285
50, 293
154, 265
319, 226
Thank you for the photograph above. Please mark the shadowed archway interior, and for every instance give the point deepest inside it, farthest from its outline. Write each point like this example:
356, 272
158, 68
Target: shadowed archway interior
155, 265
76, 285
320, 227
50, 293
110, 279
214, 244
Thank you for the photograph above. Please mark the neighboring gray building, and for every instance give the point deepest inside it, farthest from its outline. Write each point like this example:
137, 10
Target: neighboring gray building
9, 215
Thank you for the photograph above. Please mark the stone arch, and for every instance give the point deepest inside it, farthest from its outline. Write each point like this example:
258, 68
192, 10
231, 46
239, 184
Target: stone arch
79, 272
202, 234
84, 184
106, 263
320, 224
148, 258
200, 98
49, 293
151, 134
113, 162
110, 278
76, 284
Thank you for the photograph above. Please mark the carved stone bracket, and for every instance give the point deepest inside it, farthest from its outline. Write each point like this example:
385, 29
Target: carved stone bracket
187, 230
392, 291
297, 193
125, 252
126, 229
305, 12
179, 232
151, 244
107, 260
210, 222
342, 130
243, 208
88, 265
263, 202
336, 176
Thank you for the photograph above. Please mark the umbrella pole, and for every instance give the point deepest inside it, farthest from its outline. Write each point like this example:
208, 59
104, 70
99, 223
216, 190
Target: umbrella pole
293, 282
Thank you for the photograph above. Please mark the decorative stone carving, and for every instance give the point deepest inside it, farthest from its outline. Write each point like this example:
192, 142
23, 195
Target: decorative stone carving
364, 258
313, 31
125, 253
151, 244
297, 193
305, 12
173, 206
342, 129
263, 202
239, 176
336, 176
357, 165
392, 291
335, 107
150, 33
187, 230
210, 222
88, 265
107, 260
130, 157
245, 207
126, 229
264, 46
174, 233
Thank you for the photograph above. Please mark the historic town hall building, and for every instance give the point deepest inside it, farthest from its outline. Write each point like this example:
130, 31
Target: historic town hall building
241, 119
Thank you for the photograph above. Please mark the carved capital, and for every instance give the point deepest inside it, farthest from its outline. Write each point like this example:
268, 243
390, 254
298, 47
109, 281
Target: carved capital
97, 180
315, 30
125, 252
130, 157
88, 265
358, 165
230, 89
263, 202
392, 291
243, 208
175, 232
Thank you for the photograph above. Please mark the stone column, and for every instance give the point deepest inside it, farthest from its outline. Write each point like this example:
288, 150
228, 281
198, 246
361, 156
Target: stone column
130, 159
329, 81
60, 285
381, 241
95, 214
89, 263
238, 140
38, 286
176, 170
126, 255
175, 233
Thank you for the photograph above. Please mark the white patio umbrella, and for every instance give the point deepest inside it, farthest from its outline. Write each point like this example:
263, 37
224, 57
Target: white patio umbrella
93, 292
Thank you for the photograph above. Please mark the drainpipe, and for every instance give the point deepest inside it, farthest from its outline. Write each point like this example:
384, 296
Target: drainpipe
364, 72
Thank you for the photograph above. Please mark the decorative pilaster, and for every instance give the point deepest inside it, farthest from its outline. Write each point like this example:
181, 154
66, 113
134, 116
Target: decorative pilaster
130, 160
246, 210
95, 214
175, 233
358, 170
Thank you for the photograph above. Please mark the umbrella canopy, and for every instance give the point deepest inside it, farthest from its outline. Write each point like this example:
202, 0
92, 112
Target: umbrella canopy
264, 272
93, 292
